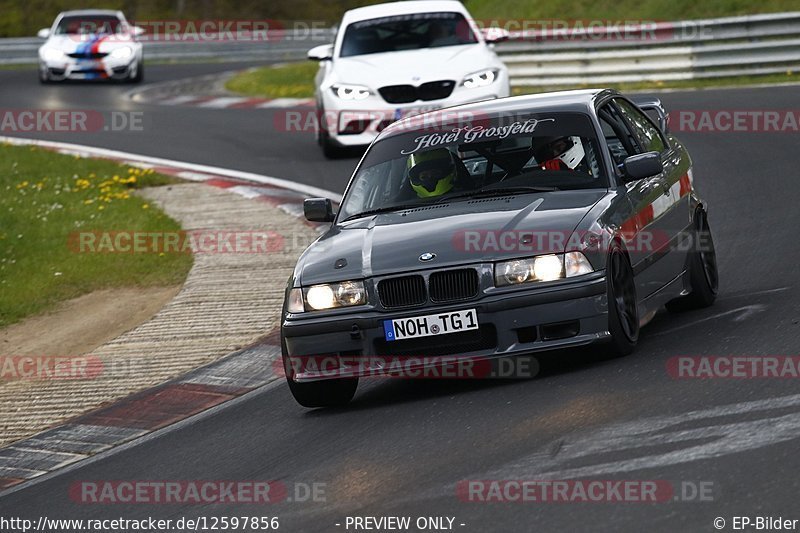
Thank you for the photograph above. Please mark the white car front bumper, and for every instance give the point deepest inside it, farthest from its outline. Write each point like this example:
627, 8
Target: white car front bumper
357, 123
89, 69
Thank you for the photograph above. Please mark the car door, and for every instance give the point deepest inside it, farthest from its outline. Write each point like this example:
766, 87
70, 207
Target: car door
641, 230
671, 212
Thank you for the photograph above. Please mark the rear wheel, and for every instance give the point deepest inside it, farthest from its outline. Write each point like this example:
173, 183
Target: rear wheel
623, 318
702, 266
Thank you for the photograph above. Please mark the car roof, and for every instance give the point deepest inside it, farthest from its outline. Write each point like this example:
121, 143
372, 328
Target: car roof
559, 101
89, 12
402, 8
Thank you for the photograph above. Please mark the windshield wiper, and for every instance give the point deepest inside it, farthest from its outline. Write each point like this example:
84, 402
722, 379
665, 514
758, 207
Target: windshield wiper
498, 191
379, 210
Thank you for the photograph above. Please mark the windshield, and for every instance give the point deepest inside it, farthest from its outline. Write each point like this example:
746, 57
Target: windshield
406, 32
88, 25
458, 161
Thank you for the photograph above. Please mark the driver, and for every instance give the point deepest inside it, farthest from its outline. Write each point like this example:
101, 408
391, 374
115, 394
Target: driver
559, 153
432, 173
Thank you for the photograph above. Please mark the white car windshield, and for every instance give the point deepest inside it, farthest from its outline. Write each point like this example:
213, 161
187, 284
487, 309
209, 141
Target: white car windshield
89, 25
406, 32
462, 160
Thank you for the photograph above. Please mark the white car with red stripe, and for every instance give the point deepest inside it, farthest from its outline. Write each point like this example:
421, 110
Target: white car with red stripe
90, 45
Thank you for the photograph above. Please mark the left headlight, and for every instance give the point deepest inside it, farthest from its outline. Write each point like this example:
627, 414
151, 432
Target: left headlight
483, 78
122, 53
53, 54
549, 267
350, 92
328, 296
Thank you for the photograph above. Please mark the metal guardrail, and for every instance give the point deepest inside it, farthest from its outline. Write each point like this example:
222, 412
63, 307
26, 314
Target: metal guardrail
710, 48
733, 46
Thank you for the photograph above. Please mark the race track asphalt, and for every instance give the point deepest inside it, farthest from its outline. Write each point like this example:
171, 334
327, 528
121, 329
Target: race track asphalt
402, 446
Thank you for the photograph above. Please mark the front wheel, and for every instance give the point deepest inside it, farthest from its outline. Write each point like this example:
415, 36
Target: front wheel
623, 318
139, 76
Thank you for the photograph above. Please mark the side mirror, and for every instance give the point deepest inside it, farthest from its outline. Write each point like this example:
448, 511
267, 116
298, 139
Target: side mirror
137, 31
44, 33
323, 52
642, 166
318, 210
495, 35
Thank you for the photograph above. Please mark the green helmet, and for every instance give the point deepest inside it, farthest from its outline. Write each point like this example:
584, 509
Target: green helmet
432, 173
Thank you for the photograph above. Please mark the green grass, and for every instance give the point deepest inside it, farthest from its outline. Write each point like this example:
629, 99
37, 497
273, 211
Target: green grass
47, 197
293, 80
656, 10
297, 80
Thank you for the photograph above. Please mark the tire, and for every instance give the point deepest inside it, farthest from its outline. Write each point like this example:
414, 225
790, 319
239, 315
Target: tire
702, 266
326, 393
329, 149
623, 318
139, 73
44, 77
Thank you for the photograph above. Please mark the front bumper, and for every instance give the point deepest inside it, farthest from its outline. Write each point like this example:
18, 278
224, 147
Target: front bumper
526, 321
345, 120
88, 69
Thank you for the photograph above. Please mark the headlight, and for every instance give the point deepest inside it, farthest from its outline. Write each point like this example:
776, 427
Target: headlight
480, 79
53, 54
122, 53
351, 92
548, 267
343, 294
576, 264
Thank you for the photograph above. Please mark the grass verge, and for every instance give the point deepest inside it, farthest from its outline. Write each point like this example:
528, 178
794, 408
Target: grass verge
292, 80
44, 198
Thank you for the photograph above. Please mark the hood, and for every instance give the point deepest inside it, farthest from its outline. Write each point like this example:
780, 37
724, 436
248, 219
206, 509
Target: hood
70, 44
477, 231
414, 66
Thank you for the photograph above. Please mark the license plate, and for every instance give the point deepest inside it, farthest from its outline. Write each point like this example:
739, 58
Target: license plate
429, 325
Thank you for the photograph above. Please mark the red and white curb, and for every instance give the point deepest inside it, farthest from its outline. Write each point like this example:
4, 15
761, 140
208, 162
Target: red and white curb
233, 102
169, 403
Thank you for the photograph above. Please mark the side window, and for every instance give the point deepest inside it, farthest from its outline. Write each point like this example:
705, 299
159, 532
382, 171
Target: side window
647, 134
619, 139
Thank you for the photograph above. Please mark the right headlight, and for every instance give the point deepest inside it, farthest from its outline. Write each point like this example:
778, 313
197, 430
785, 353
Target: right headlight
483, 78
548, 267
53, 54
327, 296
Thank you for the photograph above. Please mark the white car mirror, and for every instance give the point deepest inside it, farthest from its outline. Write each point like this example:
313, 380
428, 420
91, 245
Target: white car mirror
137, 31
496, 35
323, 52
44, 33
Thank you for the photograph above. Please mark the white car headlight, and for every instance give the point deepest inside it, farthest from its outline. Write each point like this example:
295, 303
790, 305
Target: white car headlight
548, 267
122, 53
483, 78
53, 54
330, 296
351, 92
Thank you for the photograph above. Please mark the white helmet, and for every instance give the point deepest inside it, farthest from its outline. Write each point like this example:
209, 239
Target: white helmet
568, 149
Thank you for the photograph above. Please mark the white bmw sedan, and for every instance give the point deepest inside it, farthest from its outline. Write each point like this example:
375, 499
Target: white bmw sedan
393, 60
88, 45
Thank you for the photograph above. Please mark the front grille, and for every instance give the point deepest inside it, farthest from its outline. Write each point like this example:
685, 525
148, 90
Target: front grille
453, 285
406, 291
483, 339
88, 55
404, 94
